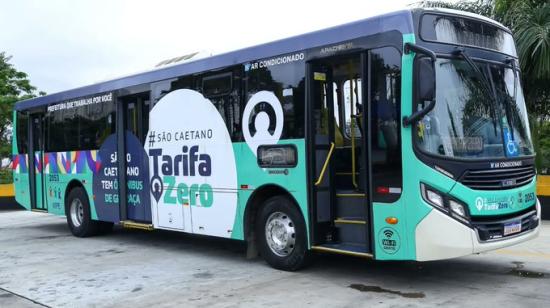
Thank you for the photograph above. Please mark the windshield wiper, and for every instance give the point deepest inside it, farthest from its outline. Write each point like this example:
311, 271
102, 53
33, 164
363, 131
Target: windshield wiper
486, 83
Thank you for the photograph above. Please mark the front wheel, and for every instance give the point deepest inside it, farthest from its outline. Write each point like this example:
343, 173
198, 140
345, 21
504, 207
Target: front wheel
78, 214
282, 236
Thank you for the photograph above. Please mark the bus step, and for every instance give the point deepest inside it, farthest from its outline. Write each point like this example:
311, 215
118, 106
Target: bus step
351, 230
39, 210
351, 207
350, 220
350, 194
349, 249
136, 225
345, 173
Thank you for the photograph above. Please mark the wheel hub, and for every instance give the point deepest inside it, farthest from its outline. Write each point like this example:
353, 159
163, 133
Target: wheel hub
77, 212
280, 234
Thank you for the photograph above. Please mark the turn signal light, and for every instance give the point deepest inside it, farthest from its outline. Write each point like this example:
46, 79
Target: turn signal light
392, 220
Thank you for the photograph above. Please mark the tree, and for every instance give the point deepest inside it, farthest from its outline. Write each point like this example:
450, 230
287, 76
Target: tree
529, 21
481, 7
14, 86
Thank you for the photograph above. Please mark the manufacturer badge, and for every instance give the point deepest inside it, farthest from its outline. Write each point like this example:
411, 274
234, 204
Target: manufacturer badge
479, 203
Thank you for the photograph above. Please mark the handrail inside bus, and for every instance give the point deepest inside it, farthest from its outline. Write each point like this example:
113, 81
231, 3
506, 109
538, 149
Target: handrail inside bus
329, 155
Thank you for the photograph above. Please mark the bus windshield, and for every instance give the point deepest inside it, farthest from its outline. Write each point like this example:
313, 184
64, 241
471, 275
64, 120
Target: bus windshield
479, 113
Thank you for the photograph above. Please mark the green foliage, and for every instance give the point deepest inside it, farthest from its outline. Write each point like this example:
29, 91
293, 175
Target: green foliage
482, 7
14, 86
6, 176
530, 22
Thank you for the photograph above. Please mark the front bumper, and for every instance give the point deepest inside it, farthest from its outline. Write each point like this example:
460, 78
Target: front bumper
439, 236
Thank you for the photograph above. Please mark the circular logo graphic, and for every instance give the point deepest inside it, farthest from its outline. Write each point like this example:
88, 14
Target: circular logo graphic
389, 240
262, 121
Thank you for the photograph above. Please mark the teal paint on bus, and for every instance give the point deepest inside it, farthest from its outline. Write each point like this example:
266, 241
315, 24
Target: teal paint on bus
56, 188
249, 173
20, 179
496, 202
409, 209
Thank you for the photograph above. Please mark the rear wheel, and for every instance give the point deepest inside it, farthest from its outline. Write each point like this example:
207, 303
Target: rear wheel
79, 218
282, 237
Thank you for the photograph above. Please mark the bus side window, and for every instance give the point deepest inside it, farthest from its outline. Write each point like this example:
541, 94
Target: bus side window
22, 131
287, 83
385, 125
351, 98
79, 128
223, 90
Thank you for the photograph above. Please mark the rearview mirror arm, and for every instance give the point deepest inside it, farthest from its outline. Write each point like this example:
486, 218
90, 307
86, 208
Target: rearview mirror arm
409, 47
418, 114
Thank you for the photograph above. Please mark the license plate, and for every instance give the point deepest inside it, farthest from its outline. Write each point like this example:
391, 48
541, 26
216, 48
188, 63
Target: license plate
512, 227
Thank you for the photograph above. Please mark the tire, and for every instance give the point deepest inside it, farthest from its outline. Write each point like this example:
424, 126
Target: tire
78, 214
282, 236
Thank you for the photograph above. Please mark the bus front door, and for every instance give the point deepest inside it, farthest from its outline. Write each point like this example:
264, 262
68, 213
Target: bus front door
355, 145
36, 162
337, 119
135, 122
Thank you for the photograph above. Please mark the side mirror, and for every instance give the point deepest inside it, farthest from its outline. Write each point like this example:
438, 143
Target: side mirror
426, 80
425, 76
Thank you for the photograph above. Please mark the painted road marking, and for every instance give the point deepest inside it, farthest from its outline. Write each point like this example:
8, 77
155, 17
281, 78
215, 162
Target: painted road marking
523, 253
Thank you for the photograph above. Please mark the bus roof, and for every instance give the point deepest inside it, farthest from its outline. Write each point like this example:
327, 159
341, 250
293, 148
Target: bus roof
399, 20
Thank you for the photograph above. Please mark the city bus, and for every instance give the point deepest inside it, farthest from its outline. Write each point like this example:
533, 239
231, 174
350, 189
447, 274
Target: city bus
403, 136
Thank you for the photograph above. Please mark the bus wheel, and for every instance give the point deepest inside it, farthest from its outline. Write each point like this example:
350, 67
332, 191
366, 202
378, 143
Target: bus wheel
78, 214
281, 234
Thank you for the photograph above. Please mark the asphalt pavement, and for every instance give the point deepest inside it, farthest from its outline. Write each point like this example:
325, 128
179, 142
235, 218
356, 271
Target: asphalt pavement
42, 264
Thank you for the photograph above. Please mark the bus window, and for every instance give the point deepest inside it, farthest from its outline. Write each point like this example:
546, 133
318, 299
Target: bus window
352, 99
22, 133
223, 91
146, 109
335, 91
37, 130
161, 88
220, 84
385, 128
79, 128
287, 82
136, 109
131, 117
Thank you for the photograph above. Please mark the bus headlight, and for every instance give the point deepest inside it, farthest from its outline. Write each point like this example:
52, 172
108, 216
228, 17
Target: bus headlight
458, 210
445, 203
434, 198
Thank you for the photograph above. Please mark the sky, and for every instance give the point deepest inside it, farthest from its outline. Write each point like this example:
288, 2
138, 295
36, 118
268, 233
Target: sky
63, 44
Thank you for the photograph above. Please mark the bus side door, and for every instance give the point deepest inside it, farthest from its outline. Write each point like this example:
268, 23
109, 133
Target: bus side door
136, 162
36, 162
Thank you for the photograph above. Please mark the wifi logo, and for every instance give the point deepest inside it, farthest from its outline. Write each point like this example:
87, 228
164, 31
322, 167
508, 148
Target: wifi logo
389, 240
